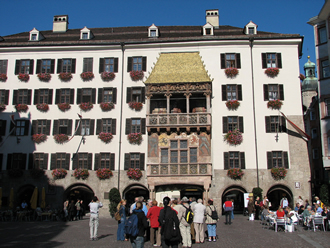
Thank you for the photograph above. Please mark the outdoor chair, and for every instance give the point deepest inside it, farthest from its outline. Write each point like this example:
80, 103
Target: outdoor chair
300, 219
318, 221
280, 222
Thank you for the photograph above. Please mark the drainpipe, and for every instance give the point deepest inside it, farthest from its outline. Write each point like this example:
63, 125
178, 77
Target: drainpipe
122, 44
254, 111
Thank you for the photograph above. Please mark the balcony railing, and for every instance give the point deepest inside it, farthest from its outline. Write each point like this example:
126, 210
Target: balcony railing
179, 169
179, 119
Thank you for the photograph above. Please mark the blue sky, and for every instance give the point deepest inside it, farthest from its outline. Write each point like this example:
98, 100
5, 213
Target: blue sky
280, 16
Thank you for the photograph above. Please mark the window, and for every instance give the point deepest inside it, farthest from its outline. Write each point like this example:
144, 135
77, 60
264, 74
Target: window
45, 66
136, 64
230, 60
16, 161
273, 92
41, 126
108, 65
312, 115
86, 95
153, 33
88, 65
178, 153
21, 127
4, 94
60, 161
325, 69
315, 153
24, 66
271, 60
84, 36
234, 160
233, 92
22, 96
82, 161
136, 125
207, 31
64, 96
43, 96
3, 66
38, 161
327, 106
322, 34
62, 126
314, 133
277, 159
3, 124
104, 160
135, 94
66, 65
106, 126
33, 36
107, 95
134, 160
230, 123
251, 30
275, 124
86, 127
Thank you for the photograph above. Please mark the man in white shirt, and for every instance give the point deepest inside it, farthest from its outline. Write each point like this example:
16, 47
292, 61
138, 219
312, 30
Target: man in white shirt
94, 219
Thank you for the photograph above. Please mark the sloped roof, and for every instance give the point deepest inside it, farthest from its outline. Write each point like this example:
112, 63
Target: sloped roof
178, 68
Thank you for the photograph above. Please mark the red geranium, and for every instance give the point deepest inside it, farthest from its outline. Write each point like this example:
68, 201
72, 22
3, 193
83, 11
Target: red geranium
64, 106
106, 106
105, 137
135, 138
136, 75
59, 173
61, 138
272, 72
85, 106
45, 77
134, 174
22, 107
104, 173
65, 76
135, 105
43, 107
23, 77
231, 72
3, 77
87, 75
39, 137
107, 76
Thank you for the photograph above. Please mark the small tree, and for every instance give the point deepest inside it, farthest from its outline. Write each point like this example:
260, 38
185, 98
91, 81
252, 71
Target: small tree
257, 192
324, 194
114, 198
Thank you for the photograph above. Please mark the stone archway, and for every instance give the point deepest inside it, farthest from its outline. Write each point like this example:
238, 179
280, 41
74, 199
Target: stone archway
135, 190
24, 193
276, 193
235, 192
79, 191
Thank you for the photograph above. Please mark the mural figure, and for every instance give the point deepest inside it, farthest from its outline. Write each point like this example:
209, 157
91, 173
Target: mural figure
204, 146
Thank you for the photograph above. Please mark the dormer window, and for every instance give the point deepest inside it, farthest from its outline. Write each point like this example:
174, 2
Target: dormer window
35, 35
207, 29
85, 34
153, 31
250, 28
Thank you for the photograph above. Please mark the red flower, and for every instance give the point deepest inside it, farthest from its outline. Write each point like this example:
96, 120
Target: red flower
135, 138
104, 173
136, 75
43, 107
59, 173
278, 173
21, 108
61, 138
235, 173
45, 77
23, 77
135, 105
274, 104
85, 106
234, 137
107, 76
134, 174
272, 72
107, 106
105, 137
3, 77
65, 76
231, 72
87, 75
64, 106
38, 138
232, 104
80, 174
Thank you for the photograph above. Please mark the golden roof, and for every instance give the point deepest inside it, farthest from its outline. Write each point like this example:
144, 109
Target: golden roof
178, 68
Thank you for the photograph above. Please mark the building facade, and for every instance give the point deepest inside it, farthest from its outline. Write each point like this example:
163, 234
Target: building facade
191, 103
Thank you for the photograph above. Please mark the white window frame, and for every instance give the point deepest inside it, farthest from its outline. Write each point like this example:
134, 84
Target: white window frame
153, 31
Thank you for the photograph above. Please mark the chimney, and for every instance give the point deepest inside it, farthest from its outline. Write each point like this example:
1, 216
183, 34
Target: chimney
212, 17
60, 23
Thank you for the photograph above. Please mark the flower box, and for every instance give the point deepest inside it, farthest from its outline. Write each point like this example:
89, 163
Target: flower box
87, 76
135, 105
3, 77
104, 173
107, 76
274, 104
234, 137
135, 138
107, 106
44, 77
59, 173
136, 75
278, 173
80, 174
39, 138
2, 107
272, 72
235, 173
15, 173
21, 107
23, 77
61, 138
63, 106
105, 137
134, 174
86, 106
43, 107
65, 76
232, 104
231, 72
36, 173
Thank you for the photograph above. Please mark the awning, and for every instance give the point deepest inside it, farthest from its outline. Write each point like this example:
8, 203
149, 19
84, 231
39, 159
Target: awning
304, 135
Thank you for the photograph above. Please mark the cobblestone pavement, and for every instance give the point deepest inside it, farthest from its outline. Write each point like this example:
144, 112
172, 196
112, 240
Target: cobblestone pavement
242, 233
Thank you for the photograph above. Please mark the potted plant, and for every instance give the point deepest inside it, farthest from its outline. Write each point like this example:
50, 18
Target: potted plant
272, 72
59, 173
64, 106
36, 173
80, 174
65, 76
135, 105
39, 138
86, 106
15, 173
61, 138
104, 173
231, 72
232, 104
105, 137
44, 77
2, 107
134, 174
107, 76
235, 173
43, 107
274, 104
136, 75
21, 107
107, 106
87, 75
135, 138
278, 173
24, 77
234, 137
3, 77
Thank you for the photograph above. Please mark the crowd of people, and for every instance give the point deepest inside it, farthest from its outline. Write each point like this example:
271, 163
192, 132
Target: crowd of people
73, 210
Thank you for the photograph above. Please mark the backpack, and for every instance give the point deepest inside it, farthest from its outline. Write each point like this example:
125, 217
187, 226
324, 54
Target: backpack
189, 216
131, 227
214, 214
171, 230
117, 216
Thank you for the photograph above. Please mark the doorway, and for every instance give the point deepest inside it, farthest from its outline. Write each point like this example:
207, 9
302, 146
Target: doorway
276, 193
79, 191
235, 193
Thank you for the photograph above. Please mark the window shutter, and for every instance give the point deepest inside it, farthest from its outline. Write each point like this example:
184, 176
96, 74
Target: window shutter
280, 86
59, 65
11, 128
267, 121
1, 159
91, 128
264, 60
224, 92
48, 127
144, 63
24, 160
239, 92
99, 95
283, 126
67, 161
114, 95
129, 64
45, 166
279, 60
36, 97
113, 126
128, 126
266, 97
226, 160
38, 66
4, 68
98, 126
143, 94
112, 161
79, 129
143, 125
89, 162
101, 66
71, 96
3, 129
242, 154
31, 66
127, 161
57, 96
75, 161
69, 127
73, 66
15, 97
29, 97
55, 127
79, 91
269, 160
238, 60
115, 68
6, 97
9, 161
26, 128
96, 161
31, 161
225, 124
128, 95
286, 160
241, 124
52, 66
93, 95
53, 161
50, 96
222, 61
18, 62
34, 127
141, 161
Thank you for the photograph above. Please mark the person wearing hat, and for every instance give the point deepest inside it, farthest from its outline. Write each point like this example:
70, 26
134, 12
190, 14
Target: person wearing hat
184, 225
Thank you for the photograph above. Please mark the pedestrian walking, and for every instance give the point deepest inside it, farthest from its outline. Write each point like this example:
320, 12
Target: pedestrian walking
72, 210
257, 207
121, 208
142, 224
65, 209
228, 208
94, 207
153, 215
251, 208
184, 225
199, 216
211, 222
78, 209
232, 212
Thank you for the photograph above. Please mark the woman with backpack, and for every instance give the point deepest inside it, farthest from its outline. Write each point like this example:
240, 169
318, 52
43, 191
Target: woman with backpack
137, 241
121, 208
211, 220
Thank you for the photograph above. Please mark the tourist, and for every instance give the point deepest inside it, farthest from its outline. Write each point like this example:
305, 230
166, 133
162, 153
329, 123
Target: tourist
121, 208
144, 206
297, 207
250, 209
94, 207
284, 202
81, 214
301, 209
210, 222
280, 213
306, 204
228, 208
149, 204
318, 209
138, 241
153, 215
300, 200
72, 210
65, 209
78, 209
265, 201
192, 227
133, 205
199, 214
184, 225
232, 212
257, 207
24, 205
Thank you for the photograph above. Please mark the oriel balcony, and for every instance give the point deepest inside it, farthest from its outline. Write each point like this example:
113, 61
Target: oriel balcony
194, 169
